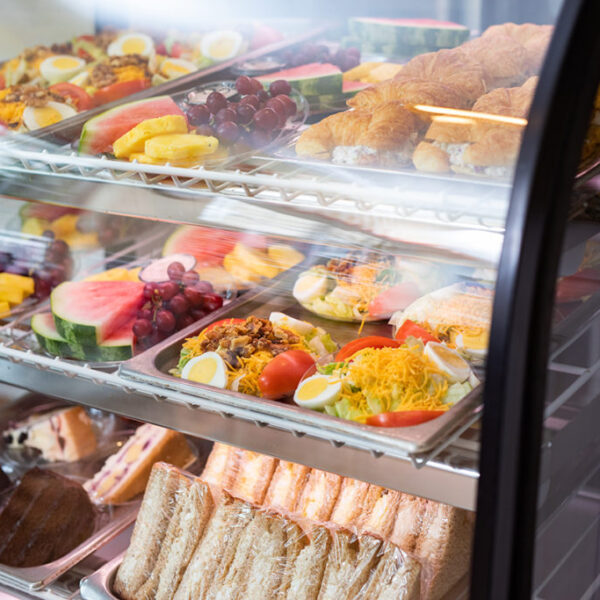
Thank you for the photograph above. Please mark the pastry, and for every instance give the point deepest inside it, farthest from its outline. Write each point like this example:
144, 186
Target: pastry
125, 473
65, 434
45, 518
385, 136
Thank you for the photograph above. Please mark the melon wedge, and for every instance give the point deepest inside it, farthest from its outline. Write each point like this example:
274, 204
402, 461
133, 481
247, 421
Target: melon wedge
313, 79
87, 313
100, 132
48, 337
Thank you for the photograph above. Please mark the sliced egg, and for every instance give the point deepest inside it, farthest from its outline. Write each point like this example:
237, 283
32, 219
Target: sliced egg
222, 45
61, 67
296, 325
310, 286
172, 68
43, 116
208, 368
473, 342
132, 43
318, 391
450, 362
81, 79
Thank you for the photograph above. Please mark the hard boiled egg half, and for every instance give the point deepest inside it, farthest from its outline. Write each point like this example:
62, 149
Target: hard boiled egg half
448, 361
318, 391
132, 43
208, 368
310, 286
172, 68
222, 45
61, 67
43, 116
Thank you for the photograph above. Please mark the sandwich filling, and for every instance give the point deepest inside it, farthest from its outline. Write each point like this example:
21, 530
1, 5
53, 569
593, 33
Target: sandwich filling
456, 154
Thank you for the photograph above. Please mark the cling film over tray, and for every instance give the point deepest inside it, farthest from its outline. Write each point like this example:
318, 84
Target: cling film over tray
405, 375
252, 526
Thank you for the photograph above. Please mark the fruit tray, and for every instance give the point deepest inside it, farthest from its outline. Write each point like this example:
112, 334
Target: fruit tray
153, 367
99, 585
110, 521
68, 129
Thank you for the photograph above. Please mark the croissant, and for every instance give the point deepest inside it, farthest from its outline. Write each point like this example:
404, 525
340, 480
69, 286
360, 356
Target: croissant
431, 159
412, 91
513, 102
450, 130
504, 61
498, 147
391, 128
454, 68
534, 38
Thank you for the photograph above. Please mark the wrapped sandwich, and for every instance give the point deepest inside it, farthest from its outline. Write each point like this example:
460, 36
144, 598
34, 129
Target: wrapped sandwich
459, 315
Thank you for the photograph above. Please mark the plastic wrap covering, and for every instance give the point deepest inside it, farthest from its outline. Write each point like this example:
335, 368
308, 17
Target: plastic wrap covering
256, 527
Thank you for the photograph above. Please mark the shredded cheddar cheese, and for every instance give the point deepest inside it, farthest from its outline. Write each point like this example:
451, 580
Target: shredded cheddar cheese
129, 73
396, 378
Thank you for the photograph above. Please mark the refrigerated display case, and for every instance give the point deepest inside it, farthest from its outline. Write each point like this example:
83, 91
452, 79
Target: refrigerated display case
373, 284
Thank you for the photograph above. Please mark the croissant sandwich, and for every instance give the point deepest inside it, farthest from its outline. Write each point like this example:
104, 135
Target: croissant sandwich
387, 135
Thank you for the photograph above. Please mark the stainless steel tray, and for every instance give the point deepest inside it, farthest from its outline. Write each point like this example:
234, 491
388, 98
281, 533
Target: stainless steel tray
153, 367
99, 585
36, 578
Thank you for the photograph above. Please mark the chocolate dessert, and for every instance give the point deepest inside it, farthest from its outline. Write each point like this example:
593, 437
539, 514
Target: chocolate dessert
45, 518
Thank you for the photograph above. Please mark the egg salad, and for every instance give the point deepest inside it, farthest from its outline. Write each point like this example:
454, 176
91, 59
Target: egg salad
410, 377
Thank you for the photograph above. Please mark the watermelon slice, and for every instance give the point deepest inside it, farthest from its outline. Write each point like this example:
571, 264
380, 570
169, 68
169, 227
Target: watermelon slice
118, 347
406, 37
100, 132
310, 80
208, 246
87, 313
48, 337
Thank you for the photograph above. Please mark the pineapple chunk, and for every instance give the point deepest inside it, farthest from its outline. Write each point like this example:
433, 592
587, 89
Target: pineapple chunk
64, 226
34, 226
81, 241
26, 284
116, 274
11, 294
144, 159
179, 146
284, 256
237, 269
135, 139
383, 71
4, 309
134, 274
255, 260
359, 72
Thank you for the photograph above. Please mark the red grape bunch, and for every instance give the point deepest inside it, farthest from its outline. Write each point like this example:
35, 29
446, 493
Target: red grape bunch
172, 305
254, 118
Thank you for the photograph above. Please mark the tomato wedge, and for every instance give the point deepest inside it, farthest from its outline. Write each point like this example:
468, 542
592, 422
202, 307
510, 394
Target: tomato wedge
224, 322
118, 90
411, 329
397, 297
79, 97
281, 376
2, 82
403, 418
370, 341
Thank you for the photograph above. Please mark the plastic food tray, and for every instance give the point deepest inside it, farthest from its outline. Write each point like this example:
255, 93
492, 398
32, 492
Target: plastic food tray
110, 521
99, 585
153, 367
